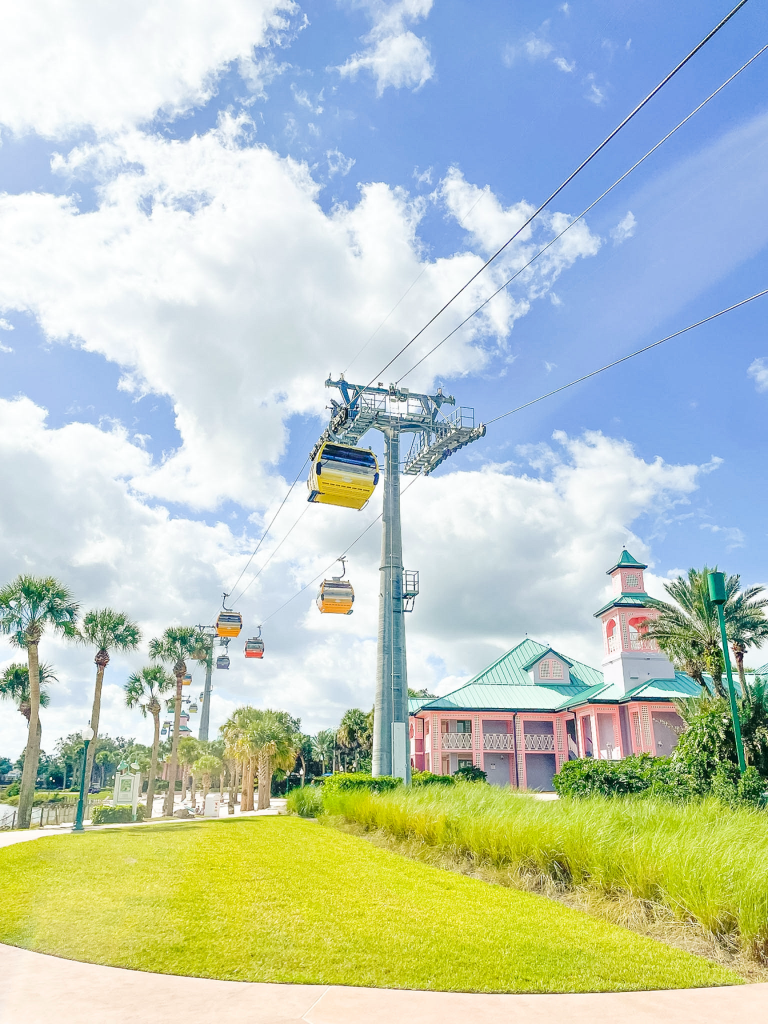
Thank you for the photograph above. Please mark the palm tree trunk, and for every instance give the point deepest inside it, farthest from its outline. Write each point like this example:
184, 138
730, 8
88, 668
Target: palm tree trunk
265, 781
173, 767
184, 775
32, 752
153, 764
244, 787
739, 655
101, 664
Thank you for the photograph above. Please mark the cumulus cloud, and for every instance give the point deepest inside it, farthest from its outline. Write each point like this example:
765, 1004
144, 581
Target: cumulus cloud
624, 229
394, 55
106, 66
557, 524
338, 163
758, 371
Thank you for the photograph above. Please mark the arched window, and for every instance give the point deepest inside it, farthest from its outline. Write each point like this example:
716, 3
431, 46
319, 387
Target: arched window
610, 635
637, 630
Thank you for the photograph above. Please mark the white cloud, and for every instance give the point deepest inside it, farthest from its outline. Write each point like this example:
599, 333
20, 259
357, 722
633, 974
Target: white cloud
67, 67
758, 371
338, 163
537, 48
595, 95
490, 225
732, 535
394, 55
74, 512
5, 326
564, 65
624, 229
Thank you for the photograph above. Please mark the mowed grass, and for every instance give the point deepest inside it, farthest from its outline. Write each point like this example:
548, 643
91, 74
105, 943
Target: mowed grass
702, 861
285, 900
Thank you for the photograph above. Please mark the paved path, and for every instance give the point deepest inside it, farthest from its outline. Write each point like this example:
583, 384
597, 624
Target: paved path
39, 989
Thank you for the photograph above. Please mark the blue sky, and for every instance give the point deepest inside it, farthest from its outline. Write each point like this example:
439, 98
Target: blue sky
197, 231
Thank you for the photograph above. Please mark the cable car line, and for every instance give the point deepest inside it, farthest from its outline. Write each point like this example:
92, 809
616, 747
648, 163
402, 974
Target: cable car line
271, 524
520, 408
581, 215
638, 352
331, 565
413, 284
566, 182
273, 553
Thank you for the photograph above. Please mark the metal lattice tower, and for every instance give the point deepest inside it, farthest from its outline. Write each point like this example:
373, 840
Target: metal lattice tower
395, 411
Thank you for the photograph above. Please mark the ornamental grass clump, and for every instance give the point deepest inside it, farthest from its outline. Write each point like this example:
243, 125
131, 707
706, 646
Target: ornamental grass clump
703, 861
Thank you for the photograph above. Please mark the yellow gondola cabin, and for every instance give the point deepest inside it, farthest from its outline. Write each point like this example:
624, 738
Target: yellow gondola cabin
342, 475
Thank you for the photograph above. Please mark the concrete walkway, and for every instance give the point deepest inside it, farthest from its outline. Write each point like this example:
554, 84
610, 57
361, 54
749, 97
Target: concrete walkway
40, 989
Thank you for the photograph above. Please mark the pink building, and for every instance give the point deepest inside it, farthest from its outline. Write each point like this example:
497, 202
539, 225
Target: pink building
534, 708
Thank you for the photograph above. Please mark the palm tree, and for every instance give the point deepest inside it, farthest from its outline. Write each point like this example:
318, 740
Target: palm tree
353, 733
105, 630
176, 645
144, 690
323, 746
274, 742
28, 606
239, 751
689, 630
204, 768
189, 751
14, 685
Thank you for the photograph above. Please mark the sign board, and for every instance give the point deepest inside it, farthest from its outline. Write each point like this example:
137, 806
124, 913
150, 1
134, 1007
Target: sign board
127, 790
212, 805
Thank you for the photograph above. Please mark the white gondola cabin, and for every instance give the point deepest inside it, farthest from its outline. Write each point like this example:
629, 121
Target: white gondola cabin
342, 475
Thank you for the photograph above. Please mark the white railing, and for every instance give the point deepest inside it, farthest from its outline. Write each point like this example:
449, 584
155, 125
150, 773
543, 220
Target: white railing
643, 645
457, 741
498, 741
536, 742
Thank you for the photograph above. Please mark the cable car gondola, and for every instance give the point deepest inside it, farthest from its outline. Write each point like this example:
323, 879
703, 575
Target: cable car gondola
222, 661
336, 596
254, 648
187, 680
228, 623
342, 475
193, 709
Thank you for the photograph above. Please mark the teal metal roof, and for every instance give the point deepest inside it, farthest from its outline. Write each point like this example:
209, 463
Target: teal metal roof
537, 658
635, 599
652, 689
626, 561
503, 697
506, 684
414, 703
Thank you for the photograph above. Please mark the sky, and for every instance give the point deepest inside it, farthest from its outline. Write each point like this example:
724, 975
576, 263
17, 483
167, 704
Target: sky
205, 209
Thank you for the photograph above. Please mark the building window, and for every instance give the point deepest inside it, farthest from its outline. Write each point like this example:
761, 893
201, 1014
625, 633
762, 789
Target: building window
631, 580
464, 727
550, 669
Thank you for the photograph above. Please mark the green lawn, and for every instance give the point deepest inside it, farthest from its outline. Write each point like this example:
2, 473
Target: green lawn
285, 900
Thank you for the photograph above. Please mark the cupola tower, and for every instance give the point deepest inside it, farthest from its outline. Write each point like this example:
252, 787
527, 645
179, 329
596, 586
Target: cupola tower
630, 657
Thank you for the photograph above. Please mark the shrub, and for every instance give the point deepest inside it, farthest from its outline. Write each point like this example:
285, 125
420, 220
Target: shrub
725, 783
13, 790
470, 773
348, 781
119, 814
660, 776
306, 801
752, 787
430, 779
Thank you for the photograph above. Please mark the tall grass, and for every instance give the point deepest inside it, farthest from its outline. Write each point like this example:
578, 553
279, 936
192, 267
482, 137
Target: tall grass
701, 860
305, 801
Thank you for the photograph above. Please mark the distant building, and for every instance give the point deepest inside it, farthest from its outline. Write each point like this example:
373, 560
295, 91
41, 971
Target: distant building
534, 708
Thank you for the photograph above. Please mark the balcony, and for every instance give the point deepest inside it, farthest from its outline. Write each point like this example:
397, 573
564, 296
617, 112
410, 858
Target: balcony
456, 741
498, 741
536, 742
643, 645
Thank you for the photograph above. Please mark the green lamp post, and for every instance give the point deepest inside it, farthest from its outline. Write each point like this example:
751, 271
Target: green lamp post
87, 735
717, 595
